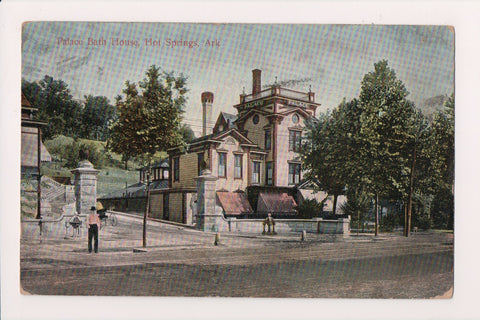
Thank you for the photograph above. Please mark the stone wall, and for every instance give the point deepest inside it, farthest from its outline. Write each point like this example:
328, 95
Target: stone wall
316, 225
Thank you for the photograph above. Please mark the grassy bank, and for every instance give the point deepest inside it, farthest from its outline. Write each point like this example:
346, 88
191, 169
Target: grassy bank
109, 179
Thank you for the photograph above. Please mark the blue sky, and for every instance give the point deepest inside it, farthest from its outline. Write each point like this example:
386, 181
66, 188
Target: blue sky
332, 59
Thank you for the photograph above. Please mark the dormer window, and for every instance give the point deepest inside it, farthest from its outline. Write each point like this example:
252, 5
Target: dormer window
256, 119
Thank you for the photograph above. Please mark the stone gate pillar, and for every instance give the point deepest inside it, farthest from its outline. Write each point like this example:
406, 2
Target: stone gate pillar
85, 186
207, 218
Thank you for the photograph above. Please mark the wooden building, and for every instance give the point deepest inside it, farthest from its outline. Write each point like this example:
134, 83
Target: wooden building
259, 146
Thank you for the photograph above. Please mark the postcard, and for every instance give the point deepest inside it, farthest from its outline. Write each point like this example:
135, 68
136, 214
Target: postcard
290, 161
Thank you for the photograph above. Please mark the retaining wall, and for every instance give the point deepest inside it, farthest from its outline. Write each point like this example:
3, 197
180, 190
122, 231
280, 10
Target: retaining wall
316, 225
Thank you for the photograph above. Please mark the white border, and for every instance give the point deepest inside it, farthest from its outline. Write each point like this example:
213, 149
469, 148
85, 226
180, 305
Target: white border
462, 15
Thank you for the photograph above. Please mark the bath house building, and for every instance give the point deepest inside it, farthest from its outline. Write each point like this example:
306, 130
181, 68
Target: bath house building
254, 153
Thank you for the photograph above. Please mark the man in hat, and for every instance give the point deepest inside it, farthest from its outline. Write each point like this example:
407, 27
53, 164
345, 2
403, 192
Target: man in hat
93, 222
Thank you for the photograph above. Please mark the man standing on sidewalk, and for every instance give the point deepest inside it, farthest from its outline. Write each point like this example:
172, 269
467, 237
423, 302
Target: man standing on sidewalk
93, 221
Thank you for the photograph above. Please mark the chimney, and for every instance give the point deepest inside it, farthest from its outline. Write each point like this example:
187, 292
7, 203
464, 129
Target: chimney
257, 81
207, 101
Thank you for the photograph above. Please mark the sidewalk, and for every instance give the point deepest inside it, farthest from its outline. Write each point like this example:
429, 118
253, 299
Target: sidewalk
175, 242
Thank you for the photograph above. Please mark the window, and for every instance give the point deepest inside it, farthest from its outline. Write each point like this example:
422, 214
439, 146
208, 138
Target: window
222, 165
256, 119
165, 174
294, 173
256, 172
268, 139
238, 166
176, 169
269, 174
200, 163
295, 118
295, 141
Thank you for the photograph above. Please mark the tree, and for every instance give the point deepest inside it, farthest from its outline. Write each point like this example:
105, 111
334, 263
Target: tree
55, 106
357, 204
187, 133
442, 170
326, 152
386, 133
98, 114
149, 121
123, 132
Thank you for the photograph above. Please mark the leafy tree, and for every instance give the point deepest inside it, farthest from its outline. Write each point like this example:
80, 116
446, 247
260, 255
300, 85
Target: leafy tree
386, 134
357, 204
149, 121
187, 133
442, 168
98, 114
310, 208
327, 150
55, 106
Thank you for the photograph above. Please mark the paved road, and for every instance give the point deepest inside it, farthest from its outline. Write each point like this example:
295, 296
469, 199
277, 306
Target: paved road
184, 262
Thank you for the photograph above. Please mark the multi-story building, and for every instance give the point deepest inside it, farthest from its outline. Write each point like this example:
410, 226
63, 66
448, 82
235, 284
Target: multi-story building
33, 150
257, 147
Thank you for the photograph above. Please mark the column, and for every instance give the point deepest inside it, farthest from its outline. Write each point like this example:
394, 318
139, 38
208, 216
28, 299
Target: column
207, 218
85, 186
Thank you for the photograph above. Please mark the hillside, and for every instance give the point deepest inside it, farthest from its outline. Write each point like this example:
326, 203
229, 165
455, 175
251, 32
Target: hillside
432, 105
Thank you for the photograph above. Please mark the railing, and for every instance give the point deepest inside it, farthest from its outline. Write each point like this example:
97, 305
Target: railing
259, 95
288, 93
294, 94
55, 189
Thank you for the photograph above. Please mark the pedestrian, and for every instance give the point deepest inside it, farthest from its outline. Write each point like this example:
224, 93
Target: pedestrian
93, 221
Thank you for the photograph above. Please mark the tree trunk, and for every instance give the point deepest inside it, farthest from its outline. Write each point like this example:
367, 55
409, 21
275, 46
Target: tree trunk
376, 214
335, 197
410, 194
358, 222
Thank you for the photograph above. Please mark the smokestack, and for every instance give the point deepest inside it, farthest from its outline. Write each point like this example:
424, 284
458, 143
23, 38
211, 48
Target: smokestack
257, 81
207, 101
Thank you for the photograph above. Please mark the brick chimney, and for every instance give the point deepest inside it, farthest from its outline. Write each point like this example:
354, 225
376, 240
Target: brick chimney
257, 81
207, 101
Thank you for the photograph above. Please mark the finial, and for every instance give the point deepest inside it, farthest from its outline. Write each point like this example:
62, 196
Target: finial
275, 80
310, 88
243, 90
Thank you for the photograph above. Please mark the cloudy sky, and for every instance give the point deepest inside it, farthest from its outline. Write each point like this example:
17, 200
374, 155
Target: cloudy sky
332, 59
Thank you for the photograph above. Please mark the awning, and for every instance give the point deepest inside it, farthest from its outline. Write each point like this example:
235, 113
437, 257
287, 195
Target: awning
29, 148
234, 203
276, 203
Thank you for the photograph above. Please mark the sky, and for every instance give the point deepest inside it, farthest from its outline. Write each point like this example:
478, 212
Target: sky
329, 59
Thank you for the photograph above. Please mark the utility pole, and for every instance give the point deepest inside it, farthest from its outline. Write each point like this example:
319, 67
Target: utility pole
147, 208
39, 178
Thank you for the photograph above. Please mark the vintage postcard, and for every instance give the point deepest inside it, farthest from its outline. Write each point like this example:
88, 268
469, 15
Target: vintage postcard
270, 160
237, 160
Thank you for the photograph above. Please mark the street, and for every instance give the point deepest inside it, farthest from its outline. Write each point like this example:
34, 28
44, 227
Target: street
184, 262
